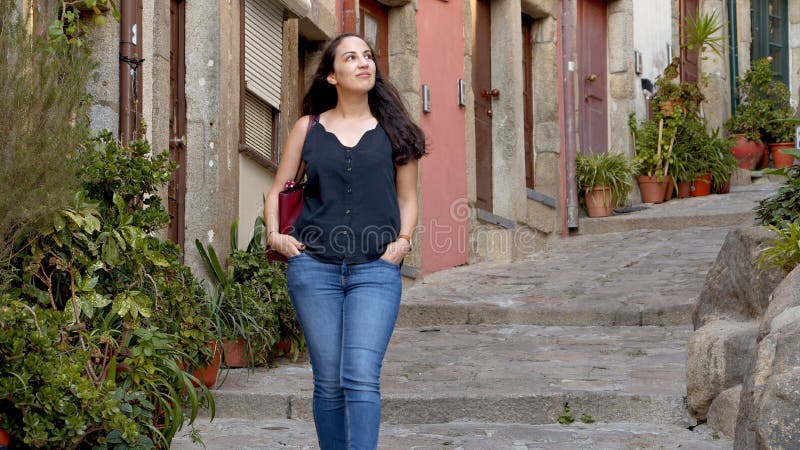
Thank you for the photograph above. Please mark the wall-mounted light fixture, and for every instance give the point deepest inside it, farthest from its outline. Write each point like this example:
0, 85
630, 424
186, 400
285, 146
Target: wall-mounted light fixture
669, 54
426, 98
462, 93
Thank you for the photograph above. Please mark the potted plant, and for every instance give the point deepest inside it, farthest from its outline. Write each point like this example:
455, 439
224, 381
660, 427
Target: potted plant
235, 312
654, 141
686, 163
714, 163
249, 303
782, 133
746, 126
605, 180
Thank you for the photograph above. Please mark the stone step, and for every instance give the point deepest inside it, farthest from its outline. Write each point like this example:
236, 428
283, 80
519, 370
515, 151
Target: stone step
515, 373
643, 277
287, 434
726, 210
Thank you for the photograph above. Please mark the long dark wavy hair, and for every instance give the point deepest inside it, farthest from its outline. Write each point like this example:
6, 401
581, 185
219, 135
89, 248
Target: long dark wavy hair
385, 103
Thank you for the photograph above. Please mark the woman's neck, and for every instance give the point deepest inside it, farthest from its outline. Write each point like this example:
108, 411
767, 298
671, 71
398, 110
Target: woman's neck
352, 106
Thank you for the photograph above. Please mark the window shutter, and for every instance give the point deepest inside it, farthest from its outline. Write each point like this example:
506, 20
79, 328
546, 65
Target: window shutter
263, 49
258, 126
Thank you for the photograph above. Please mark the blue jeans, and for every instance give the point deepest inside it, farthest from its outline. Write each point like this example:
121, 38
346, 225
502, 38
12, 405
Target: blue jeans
347, 313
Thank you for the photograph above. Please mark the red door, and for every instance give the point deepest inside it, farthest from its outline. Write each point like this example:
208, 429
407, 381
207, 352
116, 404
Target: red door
592, 69
691, 58
482, 86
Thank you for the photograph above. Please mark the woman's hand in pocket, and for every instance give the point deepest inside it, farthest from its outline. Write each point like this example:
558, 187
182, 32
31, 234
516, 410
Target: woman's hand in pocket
285, 244
396, 251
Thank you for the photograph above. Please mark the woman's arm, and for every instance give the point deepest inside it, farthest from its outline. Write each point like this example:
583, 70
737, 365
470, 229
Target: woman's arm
287, 169
406, 181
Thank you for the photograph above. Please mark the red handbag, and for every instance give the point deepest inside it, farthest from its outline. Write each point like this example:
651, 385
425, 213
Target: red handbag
290, 201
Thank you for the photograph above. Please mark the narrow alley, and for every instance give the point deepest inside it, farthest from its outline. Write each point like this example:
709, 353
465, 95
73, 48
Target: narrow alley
486, 356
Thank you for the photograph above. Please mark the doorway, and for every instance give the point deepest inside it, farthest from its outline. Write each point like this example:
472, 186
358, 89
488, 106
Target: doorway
482, 90
592, 78
176, 191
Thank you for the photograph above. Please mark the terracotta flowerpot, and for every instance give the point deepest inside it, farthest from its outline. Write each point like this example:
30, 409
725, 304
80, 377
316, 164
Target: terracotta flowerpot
701, 186
779, 159
208, 374
668, 107
5, 439
599, 202
684, 189
652, 189
669, 187
725, 188
235, 353
747, 152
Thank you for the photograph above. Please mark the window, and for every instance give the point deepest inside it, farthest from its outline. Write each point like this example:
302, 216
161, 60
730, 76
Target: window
260, 102
373, 24
769, 20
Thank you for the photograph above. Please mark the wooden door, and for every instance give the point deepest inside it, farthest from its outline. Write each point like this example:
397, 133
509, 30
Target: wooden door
592, 79
690, 67
176, 193
374, 26
482, 86
527, 96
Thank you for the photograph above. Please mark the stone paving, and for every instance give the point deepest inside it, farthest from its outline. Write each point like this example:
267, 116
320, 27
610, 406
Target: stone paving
286, 434
485, 356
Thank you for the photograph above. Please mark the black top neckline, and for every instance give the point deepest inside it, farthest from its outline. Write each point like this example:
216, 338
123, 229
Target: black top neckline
360, 140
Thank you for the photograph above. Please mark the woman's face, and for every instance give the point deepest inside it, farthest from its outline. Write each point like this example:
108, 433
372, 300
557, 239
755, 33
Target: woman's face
353, 66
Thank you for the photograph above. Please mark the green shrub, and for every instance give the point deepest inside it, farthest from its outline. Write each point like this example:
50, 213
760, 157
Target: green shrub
762, 100
250, 299
131, 307
42, 126
784, 251
782, 208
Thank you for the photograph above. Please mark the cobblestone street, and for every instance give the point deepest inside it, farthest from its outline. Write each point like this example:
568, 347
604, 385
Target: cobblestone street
485, 356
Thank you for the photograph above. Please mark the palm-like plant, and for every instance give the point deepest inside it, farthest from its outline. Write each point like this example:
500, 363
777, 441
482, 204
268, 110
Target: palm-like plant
702, 33
605, 169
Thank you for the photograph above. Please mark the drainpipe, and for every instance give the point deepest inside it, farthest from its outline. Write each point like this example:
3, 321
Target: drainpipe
733, 53
569, 191
130, 44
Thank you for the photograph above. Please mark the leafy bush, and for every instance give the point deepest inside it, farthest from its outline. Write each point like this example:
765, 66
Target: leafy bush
783, 208
42, 85
250, 299
128, 314
762, 100
783, 251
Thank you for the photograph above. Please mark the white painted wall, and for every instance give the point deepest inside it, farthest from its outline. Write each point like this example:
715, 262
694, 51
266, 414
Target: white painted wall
254, 182
652, 31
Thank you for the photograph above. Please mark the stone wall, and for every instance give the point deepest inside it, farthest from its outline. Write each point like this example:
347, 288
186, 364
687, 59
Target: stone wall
743, 363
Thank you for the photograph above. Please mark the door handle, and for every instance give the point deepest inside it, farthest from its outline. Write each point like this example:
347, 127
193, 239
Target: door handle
591, 78
486, 93
489, 112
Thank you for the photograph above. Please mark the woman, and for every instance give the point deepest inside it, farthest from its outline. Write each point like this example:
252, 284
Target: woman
344, 253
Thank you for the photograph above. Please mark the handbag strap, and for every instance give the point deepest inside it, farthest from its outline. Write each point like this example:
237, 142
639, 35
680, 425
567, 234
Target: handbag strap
301, 170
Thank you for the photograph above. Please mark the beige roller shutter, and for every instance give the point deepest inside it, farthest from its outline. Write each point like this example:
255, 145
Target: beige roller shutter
259, 126
263, 49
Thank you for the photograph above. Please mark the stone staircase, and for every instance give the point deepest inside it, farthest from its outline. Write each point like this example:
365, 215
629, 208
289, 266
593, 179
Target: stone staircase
486, 356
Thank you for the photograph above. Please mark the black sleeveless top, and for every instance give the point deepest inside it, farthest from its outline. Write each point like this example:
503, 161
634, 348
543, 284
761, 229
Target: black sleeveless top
350, 211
